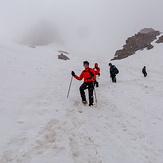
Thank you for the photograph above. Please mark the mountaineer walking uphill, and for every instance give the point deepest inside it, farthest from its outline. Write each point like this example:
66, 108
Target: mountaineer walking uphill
97, 72
89, 77
113, 72
144, 71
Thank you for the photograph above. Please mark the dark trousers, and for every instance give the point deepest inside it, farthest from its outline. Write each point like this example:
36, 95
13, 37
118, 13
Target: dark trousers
96, 83
113, 77
90, 87
145, 74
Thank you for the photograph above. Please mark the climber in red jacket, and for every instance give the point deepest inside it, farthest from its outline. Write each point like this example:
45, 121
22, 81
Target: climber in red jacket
89, 77
97, 72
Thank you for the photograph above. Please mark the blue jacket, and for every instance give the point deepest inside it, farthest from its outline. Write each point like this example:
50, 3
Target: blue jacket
113, 70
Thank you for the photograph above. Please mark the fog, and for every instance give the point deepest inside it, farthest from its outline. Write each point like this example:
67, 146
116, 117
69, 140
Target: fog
85, 27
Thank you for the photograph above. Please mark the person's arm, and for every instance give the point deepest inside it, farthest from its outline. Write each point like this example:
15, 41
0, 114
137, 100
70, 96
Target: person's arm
80, 77
98, 71
110, 72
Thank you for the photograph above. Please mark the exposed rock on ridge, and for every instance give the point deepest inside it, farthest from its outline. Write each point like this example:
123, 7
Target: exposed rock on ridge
63, 57
160, 40
137, 42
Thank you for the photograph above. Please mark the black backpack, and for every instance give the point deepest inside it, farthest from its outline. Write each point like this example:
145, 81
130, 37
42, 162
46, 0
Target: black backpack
117, 71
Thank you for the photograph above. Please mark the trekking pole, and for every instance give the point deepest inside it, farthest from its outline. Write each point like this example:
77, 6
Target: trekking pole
69, 87
94, 91
95, 95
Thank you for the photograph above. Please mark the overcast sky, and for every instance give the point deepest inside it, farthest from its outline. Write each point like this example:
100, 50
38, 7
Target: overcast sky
87, 26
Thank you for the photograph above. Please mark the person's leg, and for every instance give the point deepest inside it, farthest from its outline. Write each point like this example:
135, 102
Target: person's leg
145, 74
97, 85
94, 83
82, 93
113, 78
90, 90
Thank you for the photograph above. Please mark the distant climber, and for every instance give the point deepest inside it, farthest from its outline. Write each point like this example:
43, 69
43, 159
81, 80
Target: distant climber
144, 71
89, 77
97, 72
113, 72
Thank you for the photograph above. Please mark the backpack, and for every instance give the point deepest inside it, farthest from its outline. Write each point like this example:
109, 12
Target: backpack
114, 70
117, 71
91, 73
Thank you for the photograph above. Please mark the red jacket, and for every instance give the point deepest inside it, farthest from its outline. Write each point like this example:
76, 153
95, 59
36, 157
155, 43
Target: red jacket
86, 75
97, 70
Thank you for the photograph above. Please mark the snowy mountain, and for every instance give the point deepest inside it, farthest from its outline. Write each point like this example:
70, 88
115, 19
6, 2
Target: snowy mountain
39, 123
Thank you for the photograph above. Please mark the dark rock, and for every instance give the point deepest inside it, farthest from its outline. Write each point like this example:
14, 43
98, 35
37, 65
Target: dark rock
160, 40
137, 42
149, 46
63, 57
146, 30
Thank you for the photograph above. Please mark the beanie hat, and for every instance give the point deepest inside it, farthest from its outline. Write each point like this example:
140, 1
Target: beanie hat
86, 62
96, 64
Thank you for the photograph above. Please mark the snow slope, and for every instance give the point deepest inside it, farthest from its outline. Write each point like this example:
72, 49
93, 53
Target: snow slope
39, 124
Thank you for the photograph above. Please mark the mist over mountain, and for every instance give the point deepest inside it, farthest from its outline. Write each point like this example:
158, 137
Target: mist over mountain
88, 27
41, 34
43, 45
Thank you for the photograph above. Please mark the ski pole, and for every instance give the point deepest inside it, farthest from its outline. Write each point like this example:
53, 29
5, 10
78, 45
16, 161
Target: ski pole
69, 87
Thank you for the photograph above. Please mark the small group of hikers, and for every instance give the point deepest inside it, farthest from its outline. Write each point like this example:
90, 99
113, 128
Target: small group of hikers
91, 76
90, 80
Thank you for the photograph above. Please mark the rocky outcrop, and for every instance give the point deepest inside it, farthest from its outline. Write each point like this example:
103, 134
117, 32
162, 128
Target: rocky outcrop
63, 57
137, 42
160, 40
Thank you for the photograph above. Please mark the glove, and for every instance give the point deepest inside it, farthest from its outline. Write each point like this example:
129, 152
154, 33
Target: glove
72, 73
99, 74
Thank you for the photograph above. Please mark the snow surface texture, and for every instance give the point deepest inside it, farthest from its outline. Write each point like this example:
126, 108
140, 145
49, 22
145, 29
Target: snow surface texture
39, 124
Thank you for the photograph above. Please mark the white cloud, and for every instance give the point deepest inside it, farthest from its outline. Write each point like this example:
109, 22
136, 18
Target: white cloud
91, 26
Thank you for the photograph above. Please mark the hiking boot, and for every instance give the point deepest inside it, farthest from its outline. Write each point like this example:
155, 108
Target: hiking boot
90, 104
84, 102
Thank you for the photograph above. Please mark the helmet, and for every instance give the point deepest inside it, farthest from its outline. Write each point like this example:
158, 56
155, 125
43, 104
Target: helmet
110, 64
96, 64
86, 62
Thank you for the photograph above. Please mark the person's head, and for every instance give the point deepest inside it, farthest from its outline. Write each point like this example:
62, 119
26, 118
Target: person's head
96, 65
110, 64
144, 66
86, 64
